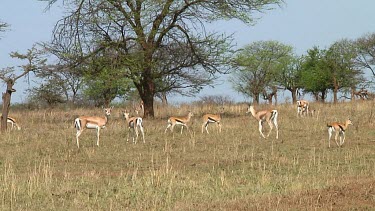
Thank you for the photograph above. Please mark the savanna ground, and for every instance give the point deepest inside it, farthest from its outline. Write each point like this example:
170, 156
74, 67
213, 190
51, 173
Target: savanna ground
42, 169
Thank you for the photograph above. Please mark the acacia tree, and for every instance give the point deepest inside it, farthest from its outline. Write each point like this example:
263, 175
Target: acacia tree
8, 75
315, 75
139, 29
290, 75
257, 67
340, 61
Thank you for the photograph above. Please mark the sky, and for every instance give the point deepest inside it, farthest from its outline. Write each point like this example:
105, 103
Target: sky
299, 23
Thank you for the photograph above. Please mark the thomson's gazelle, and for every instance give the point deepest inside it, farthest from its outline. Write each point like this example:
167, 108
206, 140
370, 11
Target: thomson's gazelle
91, 122
340, 129
269, 116
13, 122
133, 124
212, 118
172, 121
302, 107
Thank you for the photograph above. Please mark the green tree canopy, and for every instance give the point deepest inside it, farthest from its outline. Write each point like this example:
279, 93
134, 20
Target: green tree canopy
315, 75
258, 65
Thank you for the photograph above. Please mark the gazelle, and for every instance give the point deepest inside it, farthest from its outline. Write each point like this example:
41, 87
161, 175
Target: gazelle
302, 107
212, 118
133, 124
13, 122
91, 122
269, 116
172, 121
339, 128
139, 109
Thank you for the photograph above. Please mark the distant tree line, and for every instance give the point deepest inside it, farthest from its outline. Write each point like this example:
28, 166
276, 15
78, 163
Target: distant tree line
263, 67
148, 49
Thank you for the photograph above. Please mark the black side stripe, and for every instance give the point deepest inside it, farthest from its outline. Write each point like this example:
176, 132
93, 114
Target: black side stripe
209, 118
177, 120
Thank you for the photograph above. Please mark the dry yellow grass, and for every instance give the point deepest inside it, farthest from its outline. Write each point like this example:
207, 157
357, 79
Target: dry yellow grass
41, 167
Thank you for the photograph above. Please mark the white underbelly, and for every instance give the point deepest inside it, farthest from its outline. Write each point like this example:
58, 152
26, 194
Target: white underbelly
91, 126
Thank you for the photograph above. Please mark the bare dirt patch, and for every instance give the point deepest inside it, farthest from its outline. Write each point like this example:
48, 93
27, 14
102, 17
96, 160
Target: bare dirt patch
353, 195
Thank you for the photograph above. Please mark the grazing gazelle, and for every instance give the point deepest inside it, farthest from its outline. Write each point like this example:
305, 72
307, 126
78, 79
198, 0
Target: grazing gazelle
269, 116
212, 118
133, 124
339, 128
302, 107
172, 121
13, 122
91, 122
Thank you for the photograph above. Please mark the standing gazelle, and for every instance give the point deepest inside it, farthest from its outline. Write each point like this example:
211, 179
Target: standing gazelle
339, 128
269, 116
302, 107
172, 121
133, 124
212, 118
91, 122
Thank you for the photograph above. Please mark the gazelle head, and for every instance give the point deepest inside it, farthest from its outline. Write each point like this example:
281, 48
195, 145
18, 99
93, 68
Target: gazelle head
349, 122
126, 114
190, 114
107, 111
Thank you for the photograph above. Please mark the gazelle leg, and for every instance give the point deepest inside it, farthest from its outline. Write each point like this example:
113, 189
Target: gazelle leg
343, 138
277, 128
98, 135
172, 127
271, 127
79, 132
136, 134
143, 133
127, 137
167, 127
337, 134
219, 126
260, 128
329, 137
205, 125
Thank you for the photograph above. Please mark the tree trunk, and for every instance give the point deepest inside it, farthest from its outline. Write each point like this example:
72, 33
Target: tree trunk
275, 96
335, 90
146, 90
164, 100
352, 95
6, 103
316, 96
323, 98
294, 95
256, 97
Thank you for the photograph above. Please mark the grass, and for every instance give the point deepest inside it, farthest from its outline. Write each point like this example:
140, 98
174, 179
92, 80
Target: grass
41, 167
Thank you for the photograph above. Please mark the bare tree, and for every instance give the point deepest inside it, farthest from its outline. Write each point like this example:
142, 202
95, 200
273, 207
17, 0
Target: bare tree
366, 52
